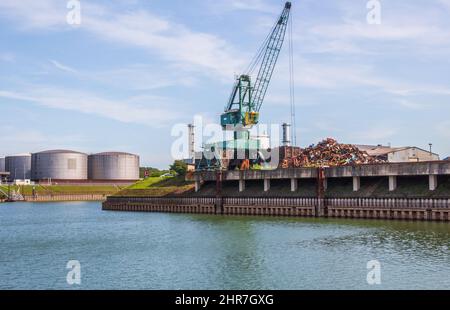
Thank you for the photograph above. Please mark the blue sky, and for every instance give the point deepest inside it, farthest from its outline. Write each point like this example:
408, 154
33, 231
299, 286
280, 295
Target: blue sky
133, 69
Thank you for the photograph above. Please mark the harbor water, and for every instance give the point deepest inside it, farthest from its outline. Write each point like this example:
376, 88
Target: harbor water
120, 250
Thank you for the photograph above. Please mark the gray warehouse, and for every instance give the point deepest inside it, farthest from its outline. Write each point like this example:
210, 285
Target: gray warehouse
59, 165
18, 166
113, 166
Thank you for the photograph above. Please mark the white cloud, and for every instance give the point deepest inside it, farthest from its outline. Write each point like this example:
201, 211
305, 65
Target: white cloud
174, 42
7, 57
333, 76
406, 26
31, 14
193, 51
62, 67
150, 112
31, 140
445, 3
375, 134
246, 5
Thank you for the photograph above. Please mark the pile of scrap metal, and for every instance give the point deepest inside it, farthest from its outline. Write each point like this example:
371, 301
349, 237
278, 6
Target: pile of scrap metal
329, 153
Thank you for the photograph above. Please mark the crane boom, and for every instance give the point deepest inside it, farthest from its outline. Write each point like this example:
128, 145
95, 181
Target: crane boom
269, 61
246, 99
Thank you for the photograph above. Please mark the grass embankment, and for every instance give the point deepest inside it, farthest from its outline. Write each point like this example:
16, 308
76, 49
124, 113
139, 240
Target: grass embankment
158, 187
42, 190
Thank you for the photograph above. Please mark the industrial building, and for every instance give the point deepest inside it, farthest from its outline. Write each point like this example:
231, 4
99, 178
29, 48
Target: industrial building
62, 165
113, 166
18, 166
399, 154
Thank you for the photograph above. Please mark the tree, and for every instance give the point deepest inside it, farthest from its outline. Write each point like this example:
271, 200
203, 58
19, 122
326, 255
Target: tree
180, 167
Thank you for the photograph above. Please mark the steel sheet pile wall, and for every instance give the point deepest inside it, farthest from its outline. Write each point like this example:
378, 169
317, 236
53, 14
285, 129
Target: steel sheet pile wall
59, 165
113, 166
19, 166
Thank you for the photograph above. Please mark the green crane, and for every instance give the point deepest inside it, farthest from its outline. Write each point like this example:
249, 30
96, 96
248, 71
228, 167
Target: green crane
242, 110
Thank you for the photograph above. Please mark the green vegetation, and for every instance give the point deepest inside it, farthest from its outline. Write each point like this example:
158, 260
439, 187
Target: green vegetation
180, 167
152, 172
157, 187
64, 189
144, 184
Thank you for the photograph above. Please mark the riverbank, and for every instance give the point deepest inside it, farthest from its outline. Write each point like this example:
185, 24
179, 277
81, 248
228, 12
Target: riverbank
41, 193
72, 197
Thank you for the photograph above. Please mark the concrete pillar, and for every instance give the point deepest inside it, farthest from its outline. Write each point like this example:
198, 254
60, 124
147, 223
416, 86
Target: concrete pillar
433, 182
392, 183
294, 185
197, 186
241, 186
266, 185
356, 184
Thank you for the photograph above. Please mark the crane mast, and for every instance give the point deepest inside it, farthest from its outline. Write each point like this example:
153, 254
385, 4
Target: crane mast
242, 110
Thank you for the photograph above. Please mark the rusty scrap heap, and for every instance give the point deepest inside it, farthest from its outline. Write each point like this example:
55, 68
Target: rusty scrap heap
329, 153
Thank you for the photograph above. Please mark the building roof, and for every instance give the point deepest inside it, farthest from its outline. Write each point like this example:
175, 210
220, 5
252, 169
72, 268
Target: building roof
380, 150
448, 158
60, 152
377, 150
413, 147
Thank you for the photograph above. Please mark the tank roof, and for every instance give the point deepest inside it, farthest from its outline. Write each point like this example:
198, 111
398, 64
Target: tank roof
114, 153
60, 152
20, 155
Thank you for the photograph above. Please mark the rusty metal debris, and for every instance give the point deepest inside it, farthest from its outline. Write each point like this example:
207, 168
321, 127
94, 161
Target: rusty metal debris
329, 153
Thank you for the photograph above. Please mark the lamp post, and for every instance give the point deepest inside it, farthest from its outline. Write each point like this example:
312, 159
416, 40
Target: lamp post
431, 150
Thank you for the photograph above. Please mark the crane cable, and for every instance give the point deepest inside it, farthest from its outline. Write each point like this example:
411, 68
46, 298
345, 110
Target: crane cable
292, 84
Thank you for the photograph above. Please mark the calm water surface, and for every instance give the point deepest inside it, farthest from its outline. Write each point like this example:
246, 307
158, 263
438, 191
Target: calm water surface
176, 251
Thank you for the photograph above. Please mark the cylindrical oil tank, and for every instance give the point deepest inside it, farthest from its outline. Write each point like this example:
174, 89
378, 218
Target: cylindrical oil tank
114, 166
2, 164
18, 166
59, 165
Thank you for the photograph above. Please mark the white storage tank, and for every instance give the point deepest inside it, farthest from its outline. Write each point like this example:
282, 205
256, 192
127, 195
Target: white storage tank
18, 166
64, 165
2, 164
111, 166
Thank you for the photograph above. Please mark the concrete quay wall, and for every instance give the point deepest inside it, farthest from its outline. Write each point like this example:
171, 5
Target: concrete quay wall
391, 169
375, 170
392, 172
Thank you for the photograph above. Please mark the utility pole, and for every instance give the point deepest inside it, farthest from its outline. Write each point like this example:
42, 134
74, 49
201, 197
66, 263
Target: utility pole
431, 150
